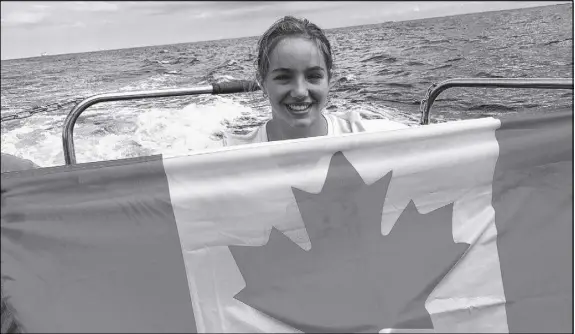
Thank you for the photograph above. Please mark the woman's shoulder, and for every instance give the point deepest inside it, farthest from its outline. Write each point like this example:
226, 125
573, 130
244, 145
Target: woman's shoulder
257, 135
383, 125
347, 122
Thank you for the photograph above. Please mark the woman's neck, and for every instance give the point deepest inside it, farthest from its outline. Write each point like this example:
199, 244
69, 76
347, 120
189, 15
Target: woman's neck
277, 130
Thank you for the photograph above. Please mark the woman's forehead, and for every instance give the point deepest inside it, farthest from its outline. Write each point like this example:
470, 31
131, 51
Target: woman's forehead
295, 53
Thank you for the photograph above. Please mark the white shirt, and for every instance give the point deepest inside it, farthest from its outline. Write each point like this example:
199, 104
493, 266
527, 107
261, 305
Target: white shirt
336, 125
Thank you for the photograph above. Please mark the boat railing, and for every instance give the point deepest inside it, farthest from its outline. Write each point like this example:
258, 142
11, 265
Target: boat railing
214, 89
250, 86
437, 88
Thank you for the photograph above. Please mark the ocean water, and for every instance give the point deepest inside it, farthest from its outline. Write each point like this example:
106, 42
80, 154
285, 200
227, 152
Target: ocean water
381, 70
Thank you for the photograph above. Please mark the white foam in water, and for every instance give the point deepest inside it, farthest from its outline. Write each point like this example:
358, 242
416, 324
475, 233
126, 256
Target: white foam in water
179, 132
40, 143
154, 82
158, 131
166, 131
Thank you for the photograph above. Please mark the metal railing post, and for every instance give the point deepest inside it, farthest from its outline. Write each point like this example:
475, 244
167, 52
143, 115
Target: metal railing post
436, 89
68, 129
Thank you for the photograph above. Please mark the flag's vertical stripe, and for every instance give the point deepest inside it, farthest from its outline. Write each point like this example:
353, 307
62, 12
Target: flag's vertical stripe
533, 202
94, 248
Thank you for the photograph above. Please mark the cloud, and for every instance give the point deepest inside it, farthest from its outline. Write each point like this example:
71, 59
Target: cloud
202, 15
277, 9
225, 9
41, 7
23, 18
197, 8
94, 6
33, 15
242, 11
77, 24
162, 8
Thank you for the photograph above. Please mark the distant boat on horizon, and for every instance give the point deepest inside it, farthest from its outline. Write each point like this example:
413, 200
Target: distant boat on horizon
43, 54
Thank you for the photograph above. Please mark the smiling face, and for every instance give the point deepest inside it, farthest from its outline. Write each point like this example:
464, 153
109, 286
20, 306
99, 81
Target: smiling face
297, 83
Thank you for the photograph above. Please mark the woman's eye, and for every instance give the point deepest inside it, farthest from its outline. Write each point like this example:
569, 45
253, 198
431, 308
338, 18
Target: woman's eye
285, 77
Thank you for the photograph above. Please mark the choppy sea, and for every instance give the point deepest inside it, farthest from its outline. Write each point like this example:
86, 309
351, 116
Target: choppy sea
382, 70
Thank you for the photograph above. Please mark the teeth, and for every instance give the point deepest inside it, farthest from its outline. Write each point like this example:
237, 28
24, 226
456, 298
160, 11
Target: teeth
298, 107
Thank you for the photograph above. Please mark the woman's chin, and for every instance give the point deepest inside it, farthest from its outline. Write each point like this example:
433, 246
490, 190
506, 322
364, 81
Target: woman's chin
304, 119
299, 120
302, 123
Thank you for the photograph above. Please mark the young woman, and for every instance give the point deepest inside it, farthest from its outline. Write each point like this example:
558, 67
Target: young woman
294, 70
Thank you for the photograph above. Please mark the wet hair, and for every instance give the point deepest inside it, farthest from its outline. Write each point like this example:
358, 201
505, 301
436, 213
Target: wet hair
290, 26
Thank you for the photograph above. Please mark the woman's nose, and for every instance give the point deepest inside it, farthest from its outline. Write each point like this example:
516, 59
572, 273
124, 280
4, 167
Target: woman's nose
299, 89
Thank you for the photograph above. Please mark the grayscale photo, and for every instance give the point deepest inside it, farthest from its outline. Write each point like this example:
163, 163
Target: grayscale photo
287, 166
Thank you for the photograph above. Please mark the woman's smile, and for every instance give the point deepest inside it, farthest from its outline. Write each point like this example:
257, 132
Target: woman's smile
299, 109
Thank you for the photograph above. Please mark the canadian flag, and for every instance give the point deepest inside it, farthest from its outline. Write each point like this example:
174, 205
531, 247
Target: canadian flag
457, 227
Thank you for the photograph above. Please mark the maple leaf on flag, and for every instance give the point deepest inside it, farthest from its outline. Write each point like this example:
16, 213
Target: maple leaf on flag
353, 279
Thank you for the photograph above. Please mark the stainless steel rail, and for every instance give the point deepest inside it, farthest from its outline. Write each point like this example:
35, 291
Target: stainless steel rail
68, 129
434, 90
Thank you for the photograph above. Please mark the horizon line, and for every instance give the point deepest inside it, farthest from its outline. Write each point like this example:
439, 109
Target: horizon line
328, 29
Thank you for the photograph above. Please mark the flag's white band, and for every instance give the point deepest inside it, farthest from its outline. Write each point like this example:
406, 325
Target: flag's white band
234, 195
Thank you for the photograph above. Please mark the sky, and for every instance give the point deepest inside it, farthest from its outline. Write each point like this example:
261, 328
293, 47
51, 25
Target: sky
30, 28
